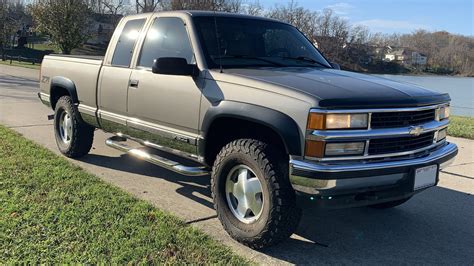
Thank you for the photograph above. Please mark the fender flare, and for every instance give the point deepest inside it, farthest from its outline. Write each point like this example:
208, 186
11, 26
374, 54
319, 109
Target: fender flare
64, 83
279, 122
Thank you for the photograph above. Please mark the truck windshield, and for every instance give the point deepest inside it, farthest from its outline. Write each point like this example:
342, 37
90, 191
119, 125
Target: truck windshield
243, 42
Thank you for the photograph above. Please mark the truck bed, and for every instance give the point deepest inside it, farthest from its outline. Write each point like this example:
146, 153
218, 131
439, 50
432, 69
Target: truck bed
88, 59
80, 70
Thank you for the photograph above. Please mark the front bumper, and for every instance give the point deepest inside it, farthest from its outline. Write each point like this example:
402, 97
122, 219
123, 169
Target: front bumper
346, 184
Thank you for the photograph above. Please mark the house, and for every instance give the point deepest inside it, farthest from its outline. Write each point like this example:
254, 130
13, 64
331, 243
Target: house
400, 55
380, 51
418, 59
406, 56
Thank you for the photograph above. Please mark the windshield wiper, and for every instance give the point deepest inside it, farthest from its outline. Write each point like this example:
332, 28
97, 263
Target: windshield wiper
306, 60
250, 57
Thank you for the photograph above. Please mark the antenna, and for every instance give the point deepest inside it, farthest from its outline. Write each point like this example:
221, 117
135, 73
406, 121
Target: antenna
218, 45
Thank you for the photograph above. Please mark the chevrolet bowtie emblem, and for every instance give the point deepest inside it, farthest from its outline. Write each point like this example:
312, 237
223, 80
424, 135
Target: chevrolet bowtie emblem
415, 131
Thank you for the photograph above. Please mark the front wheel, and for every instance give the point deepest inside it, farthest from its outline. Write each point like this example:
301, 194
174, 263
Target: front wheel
252, 194
73, 136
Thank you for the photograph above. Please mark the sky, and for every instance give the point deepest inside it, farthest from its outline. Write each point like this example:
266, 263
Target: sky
398, 16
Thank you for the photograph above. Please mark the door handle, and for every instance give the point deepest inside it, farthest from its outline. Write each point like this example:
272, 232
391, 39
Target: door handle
133, 83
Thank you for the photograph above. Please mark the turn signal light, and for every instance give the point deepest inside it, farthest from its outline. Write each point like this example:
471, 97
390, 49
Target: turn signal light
314, 148
316, 121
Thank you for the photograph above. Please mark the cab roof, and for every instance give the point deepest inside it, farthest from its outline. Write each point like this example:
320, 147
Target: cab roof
201, 13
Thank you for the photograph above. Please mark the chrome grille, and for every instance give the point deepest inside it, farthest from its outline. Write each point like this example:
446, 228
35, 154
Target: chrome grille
401, 119
400, 144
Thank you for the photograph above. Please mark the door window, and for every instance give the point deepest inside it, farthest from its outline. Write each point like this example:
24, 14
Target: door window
167, 37
126, 42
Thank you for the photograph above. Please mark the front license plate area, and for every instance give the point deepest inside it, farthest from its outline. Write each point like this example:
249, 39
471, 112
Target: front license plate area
425, 177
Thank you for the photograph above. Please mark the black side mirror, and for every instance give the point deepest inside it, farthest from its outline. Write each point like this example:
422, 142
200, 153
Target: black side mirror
173, 66
336, 66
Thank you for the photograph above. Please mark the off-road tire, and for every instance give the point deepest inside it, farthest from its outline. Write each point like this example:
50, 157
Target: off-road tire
280, 215
82, 133
390, 204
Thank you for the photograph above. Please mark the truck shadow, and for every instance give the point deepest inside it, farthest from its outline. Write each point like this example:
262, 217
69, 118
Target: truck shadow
434, 227
190, 185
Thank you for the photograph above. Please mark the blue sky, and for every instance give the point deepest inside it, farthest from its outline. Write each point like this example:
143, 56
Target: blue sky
455, 16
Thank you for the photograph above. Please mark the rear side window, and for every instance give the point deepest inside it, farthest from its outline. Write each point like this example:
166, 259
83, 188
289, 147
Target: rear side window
167, 37
126, 42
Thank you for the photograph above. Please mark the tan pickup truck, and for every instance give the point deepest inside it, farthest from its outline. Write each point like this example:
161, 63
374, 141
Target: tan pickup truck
252, 103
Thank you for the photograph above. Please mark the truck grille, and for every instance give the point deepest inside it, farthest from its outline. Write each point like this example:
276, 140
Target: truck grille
400, 144
401, 119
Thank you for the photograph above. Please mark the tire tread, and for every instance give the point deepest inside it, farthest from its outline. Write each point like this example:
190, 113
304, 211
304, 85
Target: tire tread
284, 215
83, 134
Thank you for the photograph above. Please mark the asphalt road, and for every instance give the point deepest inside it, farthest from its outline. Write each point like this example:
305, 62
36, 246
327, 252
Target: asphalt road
435, 227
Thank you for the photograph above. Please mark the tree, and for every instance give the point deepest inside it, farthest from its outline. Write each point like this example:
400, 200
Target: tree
65, 21
114, 7
234, 6
12, 19
304, 19
143, 6
253, 8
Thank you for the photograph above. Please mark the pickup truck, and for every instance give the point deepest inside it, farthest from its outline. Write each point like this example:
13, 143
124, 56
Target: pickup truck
251, 102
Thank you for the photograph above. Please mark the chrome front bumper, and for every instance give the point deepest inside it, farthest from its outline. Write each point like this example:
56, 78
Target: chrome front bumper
324, 179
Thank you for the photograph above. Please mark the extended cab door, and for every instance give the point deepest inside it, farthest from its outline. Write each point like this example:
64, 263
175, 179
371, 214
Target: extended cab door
115, 75
165, 105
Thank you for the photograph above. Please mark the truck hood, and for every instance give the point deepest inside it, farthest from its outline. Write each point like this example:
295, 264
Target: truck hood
342, 89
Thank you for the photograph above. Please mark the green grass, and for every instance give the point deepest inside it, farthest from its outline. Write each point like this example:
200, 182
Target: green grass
461, 126
51, 211
20, 64
46, 47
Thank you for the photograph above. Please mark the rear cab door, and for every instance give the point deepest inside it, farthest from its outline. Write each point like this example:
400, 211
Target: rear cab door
114, 81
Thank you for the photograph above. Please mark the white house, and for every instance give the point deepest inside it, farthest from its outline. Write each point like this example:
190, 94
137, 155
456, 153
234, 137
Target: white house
406, 56
418, 59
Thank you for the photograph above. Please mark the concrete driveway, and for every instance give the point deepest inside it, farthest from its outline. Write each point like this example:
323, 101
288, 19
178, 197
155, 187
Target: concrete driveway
435, 227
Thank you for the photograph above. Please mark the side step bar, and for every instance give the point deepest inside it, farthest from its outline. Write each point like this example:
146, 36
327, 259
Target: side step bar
116, 142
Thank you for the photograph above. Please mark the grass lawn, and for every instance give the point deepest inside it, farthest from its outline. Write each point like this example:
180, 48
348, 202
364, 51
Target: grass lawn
20, 64
46, 47
51, 211
461, 126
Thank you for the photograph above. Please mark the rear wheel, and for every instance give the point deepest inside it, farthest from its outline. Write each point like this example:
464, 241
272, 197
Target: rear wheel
252, 194
390, 204
73, 136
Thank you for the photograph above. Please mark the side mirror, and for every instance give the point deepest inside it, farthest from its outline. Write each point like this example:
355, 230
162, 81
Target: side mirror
173, 66
336, 66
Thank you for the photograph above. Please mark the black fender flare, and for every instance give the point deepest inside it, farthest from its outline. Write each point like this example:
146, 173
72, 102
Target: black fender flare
279, 122
63, 83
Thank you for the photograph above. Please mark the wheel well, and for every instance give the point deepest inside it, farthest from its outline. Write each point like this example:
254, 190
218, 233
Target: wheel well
56, 93
225, 130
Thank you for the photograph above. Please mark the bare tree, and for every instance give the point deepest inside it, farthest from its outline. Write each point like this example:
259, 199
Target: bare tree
234, 6
253, 8
143, 6
304, 19
114, 8
65, 21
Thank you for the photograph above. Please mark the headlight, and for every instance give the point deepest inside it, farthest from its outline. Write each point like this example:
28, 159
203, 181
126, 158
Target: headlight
337, 121
443, 112
320, 149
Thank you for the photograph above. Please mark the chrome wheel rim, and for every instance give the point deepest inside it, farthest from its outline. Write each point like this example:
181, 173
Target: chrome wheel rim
65, 127
244, 194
